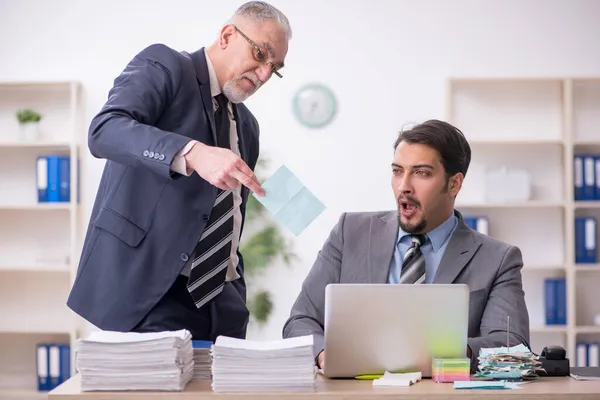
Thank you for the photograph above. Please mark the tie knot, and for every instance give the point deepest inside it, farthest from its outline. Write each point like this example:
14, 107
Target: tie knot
221, 101
419, 239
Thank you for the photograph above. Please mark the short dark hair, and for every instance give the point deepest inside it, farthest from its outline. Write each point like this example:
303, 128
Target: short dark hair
447, 140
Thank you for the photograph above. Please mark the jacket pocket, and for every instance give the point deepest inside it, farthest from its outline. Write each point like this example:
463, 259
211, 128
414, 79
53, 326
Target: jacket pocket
120, 227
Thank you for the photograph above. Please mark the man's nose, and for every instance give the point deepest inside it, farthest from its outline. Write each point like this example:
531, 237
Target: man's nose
264, 72
404, 185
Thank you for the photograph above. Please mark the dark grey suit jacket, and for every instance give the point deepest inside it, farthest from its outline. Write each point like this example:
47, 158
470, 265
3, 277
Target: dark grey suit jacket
360, 250
146, 219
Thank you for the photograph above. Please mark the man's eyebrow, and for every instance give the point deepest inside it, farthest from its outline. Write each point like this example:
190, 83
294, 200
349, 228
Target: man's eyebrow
416, 166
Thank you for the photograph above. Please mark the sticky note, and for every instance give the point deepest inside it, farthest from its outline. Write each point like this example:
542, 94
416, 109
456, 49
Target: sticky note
291, 203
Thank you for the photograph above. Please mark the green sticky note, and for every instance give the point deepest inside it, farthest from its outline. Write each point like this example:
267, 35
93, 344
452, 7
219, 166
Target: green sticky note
291, 203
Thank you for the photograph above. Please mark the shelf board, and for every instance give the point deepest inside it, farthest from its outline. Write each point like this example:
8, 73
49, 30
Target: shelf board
524, 204
39, 267
548, 329
588, 329
587, 267
37, 144
586, 143
587, 204
35, 207
22, 394
34, 331
542, 268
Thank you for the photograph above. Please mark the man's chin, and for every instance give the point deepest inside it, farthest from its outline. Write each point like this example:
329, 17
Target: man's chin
411, 225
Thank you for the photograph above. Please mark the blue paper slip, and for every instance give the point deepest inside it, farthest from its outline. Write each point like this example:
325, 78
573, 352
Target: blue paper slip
201, 344
290, 202
485, 385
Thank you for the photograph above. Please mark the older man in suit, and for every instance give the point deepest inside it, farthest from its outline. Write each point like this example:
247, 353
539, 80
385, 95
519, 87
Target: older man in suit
424, 241
161, 250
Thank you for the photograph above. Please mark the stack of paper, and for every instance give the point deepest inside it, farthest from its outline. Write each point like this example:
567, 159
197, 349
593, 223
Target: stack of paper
246, 365
135, 361
202, 359
508, 363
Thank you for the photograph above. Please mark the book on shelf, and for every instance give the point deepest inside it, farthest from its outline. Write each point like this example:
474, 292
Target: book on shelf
586, 242
53, 176
587, 354
586, 177
555, 301
53, 365
478, 223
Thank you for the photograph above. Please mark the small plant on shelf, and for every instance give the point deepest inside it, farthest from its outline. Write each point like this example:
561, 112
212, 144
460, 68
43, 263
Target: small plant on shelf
28, 115
28, 120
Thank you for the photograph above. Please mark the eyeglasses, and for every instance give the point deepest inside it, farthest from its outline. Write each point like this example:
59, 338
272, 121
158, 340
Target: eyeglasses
259, 54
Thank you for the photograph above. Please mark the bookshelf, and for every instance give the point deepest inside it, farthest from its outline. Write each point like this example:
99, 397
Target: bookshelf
535, 125
39, 241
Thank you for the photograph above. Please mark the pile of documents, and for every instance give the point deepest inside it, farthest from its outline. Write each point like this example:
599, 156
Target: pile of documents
202, 359
253, 366
516, 362
115, 361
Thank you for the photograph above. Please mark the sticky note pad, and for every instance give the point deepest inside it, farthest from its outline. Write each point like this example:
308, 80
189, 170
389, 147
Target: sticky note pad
290, 202
451, 369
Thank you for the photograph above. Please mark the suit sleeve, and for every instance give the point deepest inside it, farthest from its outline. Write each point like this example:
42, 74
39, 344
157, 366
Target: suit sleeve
123, 131
506, 298
308, 312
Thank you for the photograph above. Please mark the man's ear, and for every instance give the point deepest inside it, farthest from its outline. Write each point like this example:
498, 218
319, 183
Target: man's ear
225, 36
455, 184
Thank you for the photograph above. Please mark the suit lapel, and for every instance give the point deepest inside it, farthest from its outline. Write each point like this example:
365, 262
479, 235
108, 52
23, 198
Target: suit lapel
382, 242
199, 60
460, 250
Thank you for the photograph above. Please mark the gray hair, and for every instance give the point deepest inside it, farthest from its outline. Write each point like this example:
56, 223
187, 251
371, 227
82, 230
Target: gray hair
260, 11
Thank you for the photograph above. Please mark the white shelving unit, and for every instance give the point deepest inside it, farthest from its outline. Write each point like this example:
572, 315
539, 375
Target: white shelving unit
536, 125
39, 242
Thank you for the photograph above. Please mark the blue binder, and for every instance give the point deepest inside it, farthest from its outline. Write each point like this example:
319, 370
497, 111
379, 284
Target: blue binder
53, 178
43, 367
560, 293
64, 179
597, 170
42, 179
580, 255
578, 177
591, 241
65, 363
589, 182
550, 301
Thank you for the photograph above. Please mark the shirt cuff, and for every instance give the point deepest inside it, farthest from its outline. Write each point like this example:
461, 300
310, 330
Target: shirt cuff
179, 165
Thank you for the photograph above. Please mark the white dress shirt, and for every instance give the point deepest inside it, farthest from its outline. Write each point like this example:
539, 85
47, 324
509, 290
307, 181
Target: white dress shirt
179, 165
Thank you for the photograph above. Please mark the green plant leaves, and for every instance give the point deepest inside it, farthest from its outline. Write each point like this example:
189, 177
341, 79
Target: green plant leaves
28, 115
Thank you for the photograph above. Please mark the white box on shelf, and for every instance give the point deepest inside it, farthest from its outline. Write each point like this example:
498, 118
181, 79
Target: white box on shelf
505, 184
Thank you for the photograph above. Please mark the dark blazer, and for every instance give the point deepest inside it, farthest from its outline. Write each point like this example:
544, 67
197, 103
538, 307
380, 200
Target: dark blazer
147, 219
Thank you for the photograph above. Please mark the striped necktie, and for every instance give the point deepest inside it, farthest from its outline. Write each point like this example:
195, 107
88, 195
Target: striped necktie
212, 253
413, 266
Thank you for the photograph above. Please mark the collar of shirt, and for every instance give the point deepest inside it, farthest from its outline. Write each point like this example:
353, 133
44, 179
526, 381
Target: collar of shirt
215, 89
436, 237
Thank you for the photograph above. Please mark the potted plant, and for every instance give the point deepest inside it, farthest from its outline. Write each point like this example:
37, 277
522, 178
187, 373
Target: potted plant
29, 122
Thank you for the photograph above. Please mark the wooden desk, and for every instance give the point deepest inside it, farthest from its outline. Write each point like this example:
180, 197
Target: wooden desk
548, 388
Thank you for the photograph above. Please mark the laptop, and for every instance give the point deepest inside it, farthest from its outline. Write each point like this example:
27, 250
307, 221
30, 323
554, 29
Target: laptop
373, 328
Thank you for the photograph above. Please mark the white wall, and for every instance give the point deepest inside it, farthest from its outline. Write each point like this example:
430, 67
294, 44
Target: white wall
386, 60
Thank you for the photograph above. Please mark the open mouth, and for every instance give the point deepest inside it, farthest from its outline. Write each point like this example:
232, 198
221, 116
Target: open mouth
407, 208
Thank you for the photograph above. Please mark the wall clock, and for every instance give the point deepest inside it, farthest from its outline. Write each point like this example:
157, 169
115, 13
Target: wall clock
314, 105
